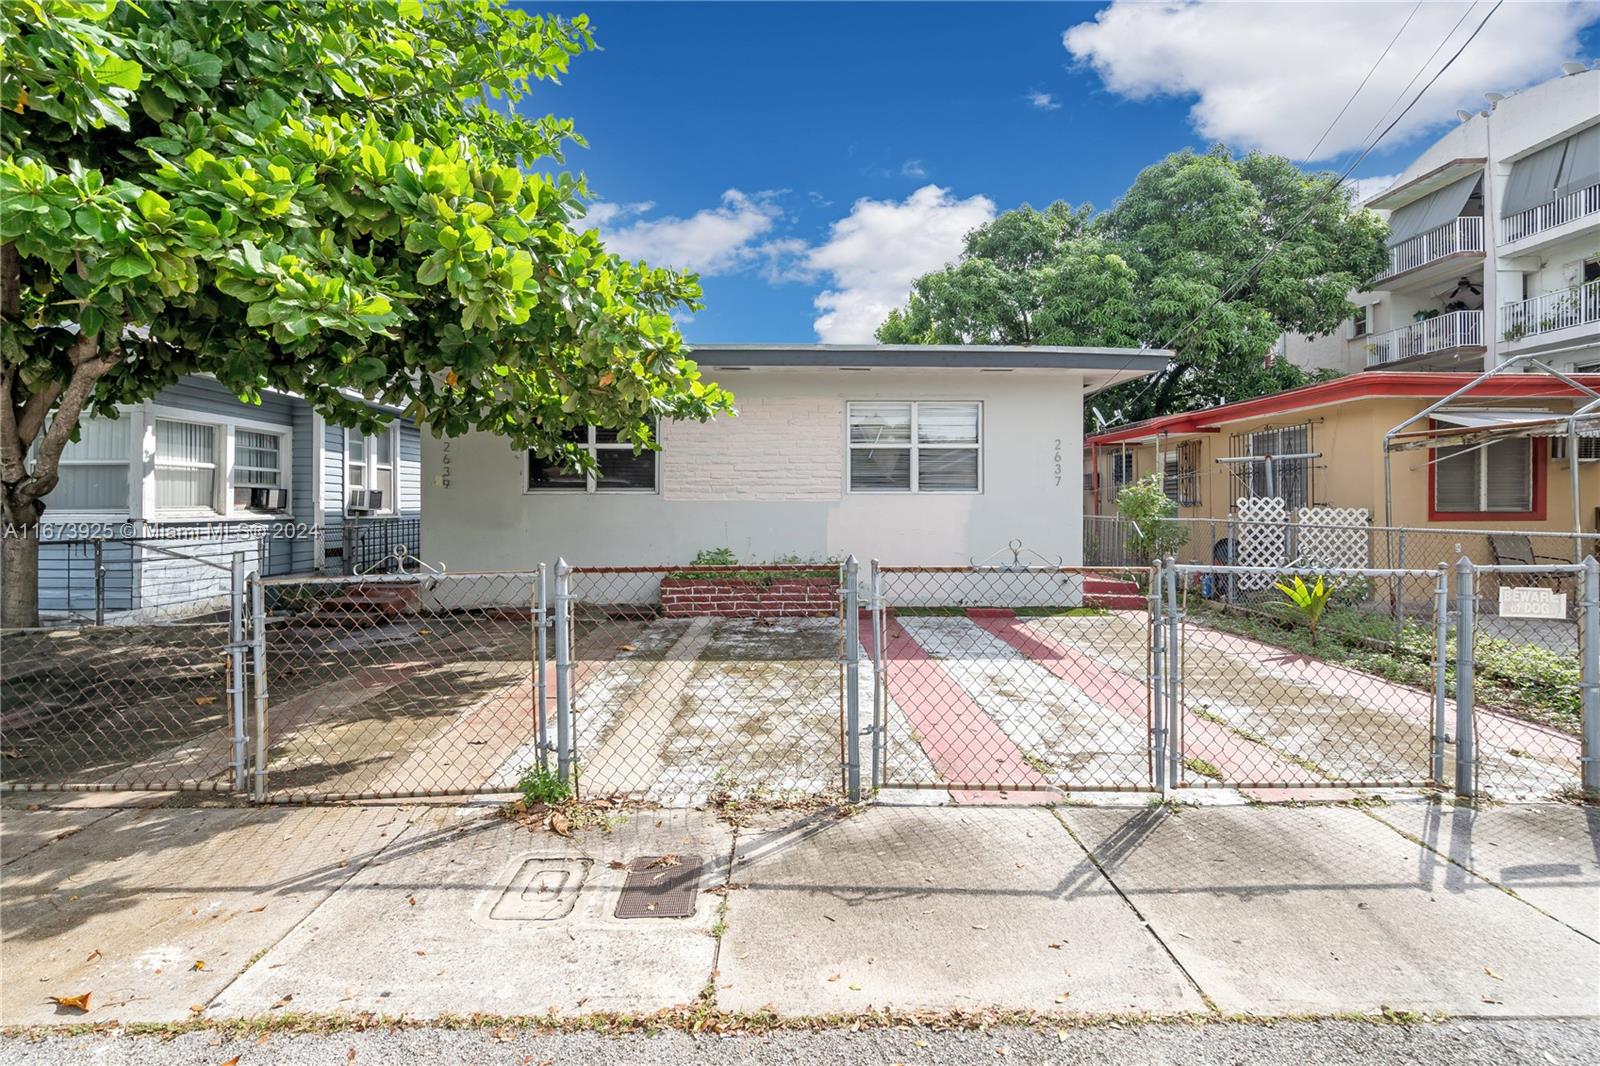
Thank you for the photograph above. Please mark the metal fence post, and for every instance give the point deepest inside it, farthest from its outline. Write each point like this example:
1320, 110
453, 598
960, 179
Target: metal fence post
237, 717
1174, 675
541, 728
880, 713
1466, 753
1158, 684
560, 634
1590, 759
258, 662
99, 582
852, 680
1441, 656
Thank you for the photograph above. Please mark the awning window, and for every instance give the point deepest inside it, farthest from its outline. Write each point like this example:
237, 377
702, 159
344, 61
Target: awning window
1431, 211
1553, 172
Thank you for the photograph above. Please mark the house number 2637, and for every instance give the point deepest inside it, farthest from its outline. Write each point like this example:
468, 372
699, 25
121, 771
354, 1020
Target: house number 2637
1057, 459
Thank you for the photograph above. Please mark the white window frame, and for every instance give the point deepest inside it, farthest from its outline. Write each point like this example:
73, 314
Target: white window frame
915, 446
592, 484
391, 490
226, 428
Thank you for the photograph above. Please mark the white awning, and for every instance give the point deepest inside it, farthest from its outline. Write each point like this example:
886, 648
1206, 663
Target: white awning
1480, 425
1489, 417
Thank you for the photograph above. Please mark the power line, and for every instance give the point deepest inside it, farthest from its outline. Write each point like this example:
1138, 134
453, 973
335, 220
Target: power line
1370, 72
1295, 226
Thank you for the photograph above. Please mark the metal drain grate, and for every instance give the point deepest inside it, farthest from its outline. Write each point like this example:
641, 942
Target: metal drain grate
660, 886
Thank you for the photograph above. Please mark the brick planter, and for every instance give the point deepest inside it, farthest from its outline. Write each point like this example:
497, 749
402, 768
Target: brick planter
752, 597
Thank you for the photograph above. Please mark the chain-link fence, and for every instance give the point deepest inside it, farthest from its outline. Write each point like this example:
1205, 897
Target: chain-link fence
1010, 678
683, 685
692, 682
406, 685
155, 703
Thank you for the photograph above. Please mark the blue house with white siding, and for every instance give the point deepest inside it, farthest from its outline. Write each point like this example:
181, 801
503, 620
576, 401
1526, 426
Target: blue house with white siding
152, 506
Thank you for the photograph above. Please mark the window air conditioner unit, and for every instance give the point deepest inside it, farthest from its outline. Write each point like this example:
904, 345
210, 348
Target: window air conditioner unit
364, 501
1588, 449
269, 499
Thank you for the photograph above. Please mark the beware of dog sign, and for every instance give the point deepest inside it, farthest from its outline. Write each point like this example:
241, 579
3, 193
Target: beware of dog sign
1532, 603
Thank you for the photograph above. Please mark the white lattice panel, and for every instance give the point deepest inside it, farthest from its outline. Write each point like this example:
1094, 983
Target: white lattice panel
1333, 536
1262, 538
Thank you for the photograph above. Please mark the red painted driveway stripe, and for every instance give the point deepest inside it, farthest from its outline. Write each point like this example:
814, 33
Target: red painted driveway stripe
1238, 759
961, 741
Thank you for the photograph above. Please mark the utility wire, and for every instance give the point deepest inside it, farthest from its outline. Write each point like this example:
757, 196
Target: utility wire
1320, 200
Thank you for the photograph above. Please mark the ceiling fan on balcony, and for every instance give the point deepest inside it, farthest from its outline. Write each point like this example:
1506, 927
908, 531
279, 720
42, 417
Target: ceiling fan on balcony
1465, 287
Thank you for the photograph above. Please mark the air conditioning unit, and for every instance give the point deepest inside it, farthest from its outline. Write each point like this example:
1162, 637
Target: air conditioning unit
365, 501
258, 498
1588, 449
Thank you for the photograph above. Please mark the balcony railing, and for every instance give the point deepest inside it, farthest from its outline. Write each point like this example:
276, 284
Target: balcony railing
1463, 234
1534, 220
1458, 329
1551, 311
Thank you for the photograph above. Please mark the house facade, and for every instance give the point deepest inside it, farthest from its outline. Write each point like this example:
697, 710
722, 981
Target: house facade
1494, 245
914, 454
1327, 444
151, 504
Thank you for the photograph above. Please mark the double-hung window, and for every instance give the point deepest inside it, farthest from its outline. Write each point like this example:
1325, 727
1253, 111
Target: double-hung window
94, 469
186, 465
915, 447
257, 466
1484, 479
369, 464
617, 468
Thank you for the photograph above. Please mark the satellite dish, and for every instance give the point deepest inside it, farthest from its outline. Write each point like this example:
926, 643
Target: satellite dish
1464, 116
1494, 98
1574, 67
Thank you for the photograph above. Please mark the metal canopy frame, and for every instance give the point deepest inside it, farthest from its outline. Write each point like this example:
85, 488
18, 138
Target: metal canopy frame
1589, 411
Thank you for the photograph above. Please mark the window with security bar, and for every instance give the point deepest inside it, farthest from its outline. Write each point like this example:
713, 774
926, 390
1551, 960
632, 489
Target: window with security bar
1290, 479
1181, 473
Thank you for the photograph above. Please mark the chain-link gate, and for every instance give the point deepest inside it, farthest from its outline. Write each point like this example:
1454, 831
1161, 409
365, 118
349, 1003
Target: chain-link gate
396, 685
691, 682
155, 702
1014, 678
1291, 678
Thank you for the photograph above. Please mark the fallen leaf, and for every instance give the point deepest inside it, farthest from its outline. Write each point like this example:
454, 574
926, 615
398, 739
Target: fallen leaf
424, 632
231, 1062
199, 964
79, 1002
95, 954
980, 927
1491, 973
1061, 1036
834, 977
284, 1002
204, 701
1056, 946
262, 1039
421, 952
618, 864
560, 825
627, 647
197, 1009
855, 988
350, 1056
411, 900
665, 860
258, 910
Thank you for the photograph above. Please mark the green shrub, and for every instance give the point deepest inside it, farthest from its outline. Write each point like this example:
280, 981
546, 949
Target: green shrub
1309, 600
540, 784
1151, 511
714, 557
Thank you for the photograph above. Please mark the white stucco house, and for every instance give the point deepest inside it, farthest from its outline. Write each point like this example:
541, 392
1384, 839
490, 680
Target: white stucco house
911, 454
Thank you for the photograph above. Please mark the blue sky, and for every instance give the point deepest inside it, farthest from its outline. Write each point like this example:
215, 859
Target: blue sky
809, 159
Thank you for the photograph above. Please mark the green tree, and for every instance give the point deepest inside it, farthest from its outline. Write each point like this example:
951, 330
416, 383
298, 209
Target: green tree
335, 197
1170, 266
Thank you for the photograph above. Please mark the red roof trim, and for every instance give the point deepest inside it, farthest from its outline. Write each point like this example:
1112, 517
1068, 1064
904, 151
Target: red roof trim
1369, 384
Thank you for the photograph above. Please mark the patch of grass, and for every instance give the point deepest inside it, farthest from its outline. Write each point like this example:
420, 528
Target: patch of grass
540, 784
1040, 765
1202, 767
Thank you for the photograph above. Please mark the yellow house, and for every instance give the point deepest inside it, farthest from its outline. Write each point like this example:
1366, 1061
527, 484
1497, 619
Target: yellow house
1323, 446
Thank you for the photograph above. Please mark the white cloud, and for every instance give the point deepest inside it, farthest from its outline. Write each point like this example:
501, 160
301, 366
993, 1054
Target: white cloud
715, 240
1044, 101
1273, 76
913, 168
873, 254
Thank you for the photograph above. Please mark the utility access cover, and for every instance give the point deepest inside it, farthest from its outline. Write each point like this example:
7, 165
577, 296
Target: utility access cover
660, 886
541, 890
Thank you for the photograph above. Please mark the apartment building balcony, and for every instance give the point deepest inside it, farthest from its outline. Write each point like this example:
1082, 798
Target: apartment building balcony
1436, 343
1460, 238
1568, 214
1551, 319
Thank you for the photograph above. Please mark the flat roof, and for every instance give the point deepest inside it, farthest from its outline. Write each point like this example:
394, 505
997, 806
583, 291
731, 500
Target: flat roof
1100, 366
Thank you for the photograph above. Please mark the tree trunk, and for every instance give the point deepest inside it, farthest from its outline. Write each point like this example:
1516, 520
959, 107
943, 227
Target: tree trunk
19, 566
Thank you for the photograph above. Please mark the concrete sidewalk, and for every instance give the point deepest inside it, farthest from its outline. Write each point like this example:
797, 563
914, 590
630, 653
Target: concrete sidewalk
171, 913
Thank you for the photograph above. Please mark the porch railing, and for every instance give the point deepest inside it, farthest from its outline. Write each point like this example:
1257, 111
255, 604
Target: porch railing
1458, 329
1463, 234
1558, 212
1550, 311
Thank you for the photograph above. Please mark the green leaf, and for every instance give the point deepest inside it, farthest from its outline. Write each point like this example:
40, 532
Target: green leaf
122, 73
